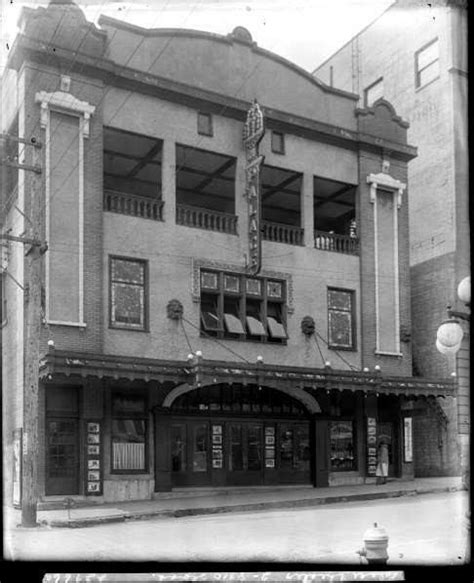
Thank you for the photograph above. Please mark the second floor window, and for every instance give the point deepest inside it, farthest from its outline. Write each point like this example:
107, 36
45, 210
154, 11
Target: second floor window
128, 293
427, 64
241, 307
341, 328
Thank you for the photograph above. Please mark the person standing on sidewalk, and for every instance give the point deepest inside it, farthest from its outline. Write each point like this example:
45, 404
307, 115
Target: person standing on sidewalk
382, 463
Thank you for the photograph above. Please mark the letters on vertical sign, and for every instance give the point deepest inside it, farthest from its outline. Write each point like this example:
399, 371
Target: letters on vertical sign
253, 133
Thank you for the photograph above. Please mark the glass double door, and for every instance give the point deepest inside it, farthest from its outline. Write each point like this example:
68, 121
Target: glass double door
238, 452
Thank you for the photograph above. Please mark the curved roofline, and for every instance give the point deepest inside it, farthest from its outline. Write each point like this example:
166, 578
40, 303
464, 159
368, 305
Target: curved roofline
226, 39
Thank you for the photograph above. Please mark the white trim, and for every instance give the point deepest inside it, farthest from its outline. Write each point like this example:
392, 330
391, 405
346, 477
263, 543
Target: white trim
61, 323
47, 203
396, 187
385, 353
82, 124
62, 101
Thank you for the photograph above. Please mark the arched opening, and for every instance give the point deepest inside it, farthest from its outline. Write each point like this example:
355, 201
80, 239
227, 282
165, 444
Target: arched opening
235, 435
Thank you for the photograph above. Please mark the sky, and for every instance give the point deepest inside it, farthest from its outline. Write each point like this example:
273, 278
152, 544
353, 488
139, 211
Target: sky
305, 32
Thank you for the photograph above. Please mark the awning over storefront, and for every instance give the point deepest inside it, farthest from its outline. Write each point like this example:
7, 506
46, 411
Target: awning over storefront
58, 363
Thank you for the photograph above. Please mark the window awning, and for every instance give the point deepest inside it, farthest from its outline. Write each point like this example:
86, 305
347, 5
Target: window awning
277, 330
233, 324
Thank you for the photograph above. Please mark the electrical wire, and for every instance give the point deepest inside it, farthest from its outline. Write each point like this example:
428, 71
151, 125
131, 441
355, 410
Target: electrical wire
216, 341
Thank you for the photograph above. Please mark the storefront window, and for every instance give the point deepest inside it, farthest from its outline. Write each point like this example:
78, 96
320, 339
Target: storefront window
128, 434
342, 445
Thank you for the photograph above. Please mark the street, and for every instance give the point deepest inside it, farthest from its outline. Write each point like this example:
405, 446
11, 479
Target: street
422, 530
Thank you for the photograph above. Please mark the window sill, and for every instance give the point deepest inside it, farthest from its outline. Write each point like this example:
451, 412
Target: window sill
70, 324
427, 84
345, 348
383, 353
126, 328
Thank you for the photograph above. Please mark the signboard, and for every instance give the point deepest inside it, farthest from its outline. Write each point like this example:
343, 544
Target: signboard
371, 446
269, 446
217, 447
17, 452
93, 459
407, 439
253, 133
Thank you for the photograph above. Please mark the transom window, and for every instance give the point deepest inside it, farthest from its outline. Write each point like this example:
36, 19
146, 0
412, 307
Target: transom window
341, 331
128, 293
242, 307
427, 64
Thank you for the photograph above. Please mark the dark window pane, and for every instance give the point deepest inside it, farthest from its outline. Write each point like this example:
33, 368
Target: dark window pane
178, 448
236, 461
254, 447
200, 448
274, 289
302, 453
231, 283
286, 447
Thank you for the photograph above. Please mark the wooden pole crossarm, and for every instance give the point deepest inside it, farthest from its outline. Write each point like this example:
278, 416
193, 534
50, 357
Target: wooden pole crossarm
26, 240
36, 169
31, 142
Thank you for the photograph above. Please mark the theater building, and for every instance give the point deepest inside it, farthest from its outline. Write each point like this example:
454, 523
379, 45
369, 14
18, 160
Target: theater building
226, 286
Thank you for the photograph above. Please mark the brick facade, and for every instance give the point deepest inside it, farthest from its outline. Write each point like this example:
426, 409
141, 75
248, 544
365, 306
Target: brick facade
438, 201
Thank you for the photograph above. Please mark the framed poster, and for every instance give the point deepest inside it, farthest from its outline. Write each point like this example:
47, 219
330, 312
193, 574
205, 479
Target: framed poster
216, 463
93, 464
93, 428
93, 450
217, 438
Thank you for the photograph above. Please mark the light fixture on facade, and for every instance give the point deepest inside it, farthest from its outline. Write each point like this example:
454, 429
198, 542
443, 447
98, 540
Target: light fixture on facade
259, 359
450, 334
327, 364
377, 368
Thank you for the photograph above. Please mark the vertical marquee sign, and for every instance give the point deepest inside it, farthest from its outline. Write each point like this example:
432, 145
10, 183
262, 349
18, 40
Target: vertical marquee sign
253, 133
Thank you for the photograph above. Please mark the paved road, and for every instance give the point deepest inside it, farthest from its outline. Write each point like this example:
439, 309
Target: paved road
423, 530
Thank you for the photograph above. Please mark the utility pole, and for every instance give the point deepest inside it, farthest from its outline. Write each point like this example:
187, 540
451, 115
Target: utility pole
34, 250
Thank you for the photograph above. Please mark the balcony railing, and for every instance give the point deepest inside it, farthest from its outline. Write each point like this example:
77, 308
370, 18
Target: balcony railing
191, 216
133, 205
282, 233
336, 243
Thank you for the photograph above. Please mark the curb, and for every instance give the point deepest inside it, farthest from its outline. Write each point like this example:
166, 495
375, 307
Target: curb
244, 507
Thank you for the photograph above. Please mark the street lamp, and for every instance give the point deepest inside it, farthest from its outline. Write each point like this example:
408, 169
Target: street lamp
448, 341
450, 333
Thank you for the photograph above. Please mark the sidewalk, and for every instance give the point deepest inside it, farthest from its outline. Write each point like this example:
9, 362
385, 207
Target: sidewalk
198, 502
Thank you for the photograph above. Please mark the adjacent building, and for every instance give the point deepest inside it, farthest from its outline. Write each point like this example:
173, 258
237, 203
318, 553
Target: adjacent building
226, 287
415, 55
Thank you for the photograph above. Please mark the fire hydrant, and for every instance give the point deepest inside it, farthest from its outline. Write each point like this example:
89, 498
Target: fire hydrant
376, 543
